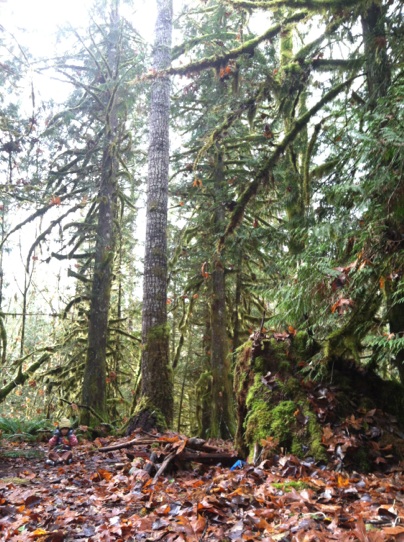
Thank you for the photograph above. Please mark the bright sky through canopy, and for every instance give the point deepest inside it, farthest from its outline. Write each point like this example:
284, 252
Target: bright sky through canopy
35, 22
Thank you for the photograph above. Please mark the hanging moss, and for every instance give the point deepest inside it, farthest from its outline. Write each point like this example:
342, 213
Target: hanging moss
203, 385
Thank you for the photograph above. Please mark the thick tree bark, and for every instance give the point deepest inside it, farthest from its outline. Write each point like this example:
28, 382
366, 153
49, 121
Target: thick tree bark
94, 382
157, 387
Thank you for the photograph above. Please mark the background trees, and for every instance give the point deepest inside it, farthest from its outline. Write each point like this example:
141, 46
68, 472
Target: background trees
285, 208
87, 185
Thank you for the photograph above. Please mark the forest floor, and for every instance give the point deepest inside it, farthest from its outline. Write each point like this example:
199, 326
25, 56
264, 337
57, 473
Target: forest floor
104, 497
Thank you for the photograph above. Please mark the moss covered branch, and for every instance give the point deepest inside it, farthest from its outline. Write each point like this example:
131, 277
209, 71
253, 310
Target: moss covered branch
265, 169
22, 377
316, 5
214, 61
187, 46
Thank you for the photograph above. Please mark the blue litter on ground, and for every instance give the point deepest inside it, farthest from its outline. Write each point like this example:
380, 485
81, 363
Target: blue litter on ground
238, 464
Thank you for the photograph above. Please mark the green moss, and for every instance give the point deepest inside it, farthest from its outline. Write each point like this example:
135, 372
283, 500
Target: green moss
293, 68
279, 350
204, 384
259, 365
291, 387
158, 332
300, 344
15, 481
241, 380
27, 454
281, 411
256, 392
283, 422
315, 434
288, 486
258, 423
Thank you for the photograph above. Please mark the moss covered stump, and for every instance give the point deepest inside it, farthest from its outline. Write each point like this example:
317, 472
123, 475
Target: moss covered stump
329, 412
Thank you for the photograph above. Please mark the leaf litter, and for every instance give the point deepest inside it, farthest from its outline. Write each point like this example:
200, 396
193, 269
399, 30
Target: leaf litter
110, 497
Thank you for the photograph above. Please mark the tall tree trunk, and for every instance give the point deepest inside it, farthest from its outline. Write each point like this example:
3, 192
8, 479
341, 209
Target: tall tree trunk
378, 81
157, 385
222, 421
94, 382
375, 43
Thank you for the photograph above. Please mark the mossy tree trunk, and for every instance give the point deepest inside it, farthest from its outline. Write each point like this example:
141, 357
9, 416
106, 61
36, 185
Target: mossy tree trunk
94, 381
221, 422
291, 92
204, 384
282, 407
157, 384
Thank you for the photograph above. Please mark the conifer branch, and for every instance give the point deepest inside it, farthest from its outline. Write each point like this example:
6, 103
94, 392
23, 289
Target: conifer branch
37, 214
263, 172
48, 230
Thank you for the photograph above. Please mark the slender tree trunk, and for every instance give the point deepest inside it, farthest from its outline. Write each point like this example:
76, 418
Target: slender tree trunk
222, 421
203, 386
157, 385
294, 203
183, 385
94, 382
237, 303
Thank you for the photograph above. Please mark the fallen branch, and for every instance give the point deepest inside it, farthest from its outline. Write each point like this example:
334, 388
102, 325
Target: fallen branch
174, 449
164, 465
